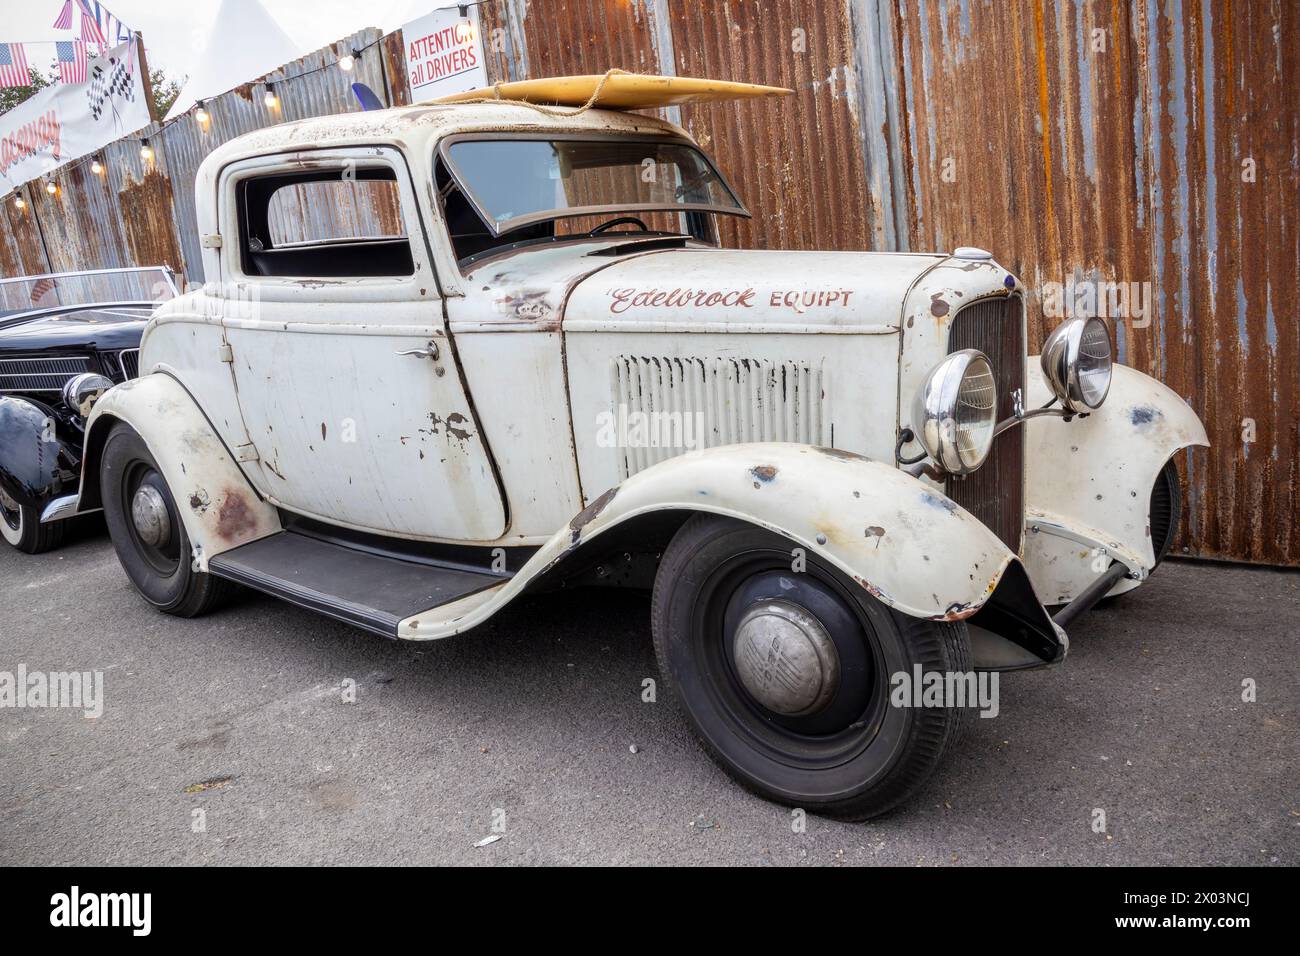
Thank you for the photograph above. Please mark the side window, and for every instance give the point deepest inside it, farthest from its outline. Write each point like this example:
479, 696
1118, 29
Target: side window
323, 224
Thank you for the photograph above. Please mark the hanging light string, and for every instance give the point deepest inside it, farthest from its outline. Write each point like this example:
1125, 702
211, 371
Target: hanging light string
271, 99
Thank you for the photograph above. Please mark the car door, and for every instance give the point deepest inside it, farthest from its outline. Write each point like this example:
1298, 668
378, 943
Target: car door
347, 382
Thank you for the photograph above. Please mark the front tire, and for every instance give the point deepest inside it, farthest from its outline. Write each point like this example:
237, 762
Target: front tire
147, 530
785, 675
20, 526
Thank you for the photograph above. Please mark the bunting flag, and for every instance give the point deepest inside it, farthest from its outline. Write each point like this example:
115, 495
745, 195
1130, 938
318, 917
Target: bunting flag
13, 65
130, 55
65, 17
90, 31
72, 60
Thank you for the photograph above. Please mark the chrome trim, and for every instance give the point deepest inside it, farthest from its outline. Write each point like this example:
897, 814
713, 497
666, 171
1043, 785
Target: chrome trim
64, 375
20, 317
1060, 362
165, 270
934, 411
61, 508
121, 362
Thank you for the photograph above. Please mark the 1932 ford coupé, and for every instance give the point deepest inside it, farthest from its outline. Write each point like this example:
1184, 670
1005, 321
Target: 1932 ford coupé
451, 353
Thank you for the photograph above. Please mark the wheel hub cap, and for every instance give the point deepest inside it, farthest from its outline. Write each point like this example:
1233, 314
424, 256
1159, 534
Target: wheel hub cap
785, 659
150, 517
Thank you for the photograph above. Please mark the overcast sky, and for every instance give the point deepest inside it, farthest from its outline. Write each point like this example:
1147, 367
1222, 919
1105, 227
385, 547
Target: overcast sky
173, 30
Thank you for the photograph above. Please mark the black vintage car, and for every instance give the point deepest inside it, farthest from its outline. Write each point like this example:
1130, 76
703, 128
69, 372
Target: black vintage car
65, 338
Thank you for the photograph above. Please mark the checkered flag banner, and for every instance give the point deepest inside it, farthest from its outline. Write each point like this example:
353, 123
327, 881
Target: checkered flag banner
110, 82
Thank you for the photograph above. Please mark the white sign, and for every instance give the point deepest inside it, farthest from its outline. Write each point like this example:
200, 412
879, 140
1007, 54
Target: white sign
444, 54
68, 120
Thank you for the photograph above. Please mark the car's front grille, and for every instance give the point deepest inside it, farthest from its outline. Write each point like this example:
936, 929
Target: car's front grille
995, 493
40, 374
130, 362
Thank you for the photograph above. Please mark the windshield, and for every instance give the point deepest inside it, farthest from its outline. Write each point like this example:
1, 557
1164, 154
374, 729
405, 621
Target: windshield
514, 182
27, 293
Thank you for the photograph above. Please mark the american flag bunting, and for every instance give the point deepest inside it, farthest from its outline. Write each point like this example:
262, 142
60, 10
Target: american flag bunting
13, 65
90, 31
72, 60
65, 17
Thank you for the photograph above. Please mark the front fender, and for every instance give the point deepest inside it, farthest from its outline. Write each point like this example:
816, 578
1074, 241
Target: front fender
904, 542
36, 465
1088, 481
219, 508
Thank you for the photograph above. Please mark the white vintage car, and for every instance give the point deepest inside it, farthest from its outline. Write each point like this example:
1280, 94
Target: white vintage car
450, 354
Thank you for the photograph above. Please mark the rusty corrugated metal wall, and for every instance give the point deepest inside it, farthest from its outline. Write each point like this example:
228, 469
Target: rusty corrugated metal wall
1103, 141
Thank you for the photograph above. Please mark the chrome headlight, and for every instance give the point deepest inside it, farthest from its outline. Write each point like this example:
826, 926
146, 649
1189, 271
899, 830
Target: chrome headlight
82, 391
955, 412
1077, 363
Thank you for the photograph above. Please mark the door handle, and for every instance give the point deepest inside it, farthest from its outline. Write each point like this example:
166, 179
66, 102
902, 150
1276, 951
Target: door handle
430, 351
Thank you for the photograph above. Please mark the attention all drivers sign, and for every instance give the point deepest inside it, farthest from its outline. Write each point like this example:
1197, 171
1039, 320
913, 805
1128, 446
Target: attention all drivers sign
444, 54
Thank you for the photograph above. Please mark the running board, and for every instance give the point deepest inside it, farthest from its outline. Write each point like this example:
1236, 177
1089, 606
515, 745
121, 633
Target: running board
372, 591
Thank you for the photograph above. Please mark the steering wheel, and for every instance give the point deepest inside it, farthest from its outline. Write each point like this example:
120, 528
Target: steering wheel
620, 221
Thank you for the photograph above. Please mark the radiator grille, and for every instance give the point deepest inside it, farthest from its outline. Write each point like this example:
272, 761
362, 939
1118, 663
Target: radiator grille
665, 406
995, 492
130, 361
40, 374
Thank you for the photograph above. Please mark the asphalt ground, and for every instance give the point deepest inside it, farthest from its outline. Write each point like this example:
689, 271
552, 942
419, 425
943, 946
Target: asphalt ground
535, 724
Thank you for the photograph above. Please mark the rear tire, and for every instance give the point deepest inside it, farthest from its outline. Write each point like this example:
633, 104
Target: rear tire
20, 526
834, 745
155, 554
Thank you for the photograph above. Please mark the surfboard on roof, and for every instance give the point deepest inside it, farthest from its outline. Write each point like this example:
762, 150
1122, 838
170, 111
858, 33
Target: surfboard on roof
622, 91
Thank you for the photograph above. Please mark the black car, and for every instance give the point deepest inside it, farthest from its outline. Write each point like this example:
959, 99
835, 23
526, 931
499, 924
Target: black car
65, 338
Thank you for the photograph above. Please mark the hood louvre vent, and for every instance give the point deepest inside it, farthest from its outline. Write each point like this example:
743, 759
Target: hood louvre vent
663, 406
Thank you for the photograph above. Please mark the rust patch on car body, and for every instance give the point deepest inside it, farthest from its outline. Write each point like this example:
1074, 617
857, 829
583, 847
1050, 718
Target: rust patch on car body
235, 519
763, 474
589, 514
841, 455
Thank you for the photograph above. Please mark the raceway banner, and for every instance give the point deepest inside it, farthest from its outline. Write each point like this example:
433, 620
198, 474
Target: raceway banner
68, 120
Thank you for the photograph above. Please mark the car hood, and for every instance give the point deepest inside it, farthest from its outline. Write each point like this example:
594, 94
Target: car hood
620, 283
104, 329
729, 290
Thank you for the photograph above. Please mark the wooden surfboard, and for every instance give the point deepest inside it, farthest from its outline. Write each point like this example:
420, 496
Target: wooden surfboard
622, 91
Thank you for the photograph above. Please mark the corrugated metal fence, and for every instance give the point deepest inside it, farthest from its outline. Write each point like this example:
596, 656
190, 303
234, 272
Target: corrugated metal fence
1086, 143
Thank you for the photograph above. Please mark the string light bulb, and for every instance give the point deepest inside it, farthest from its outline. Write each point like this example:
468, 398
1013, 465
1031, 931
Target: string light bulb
201, 113
96, 166
346, 63
20, 202
52, 189
146, 151
270, 99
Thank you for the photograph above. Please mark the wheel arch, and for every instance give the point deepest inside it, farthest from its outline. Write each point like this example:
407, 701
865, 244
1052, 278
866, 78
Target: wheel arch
898, 538
220, 509
1088, 482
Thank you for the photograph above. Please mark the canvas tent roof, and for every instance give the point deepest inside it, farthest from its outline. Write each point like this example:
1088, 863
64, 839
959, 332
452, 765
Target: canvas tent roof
244, 43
